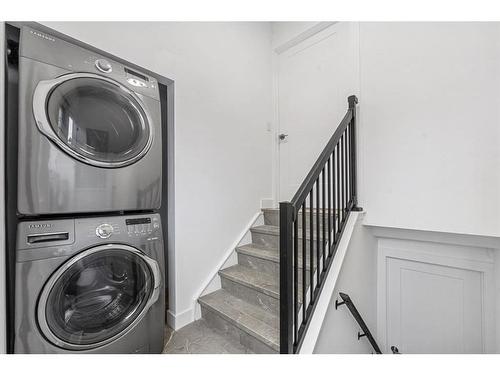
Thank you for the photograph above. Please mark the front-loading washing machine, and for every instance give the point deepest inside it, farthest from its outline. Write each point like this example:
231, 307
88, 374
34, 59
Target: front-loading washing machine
90, 285
89, 137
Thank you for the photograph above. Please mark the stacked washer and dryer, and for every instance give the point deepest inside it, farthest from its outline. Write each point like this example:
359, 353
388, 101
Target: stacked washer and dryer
89, 271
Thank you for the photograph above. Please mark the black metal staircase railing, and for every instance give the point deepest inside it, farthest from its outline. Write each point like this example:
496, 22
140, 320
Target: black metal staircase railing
311, 226
346, 300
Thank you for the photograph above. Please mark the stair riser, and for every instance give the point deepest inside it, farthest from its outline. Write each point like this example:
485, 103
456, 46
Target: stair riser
262, 265
272, 218
251, 295
271, 241
266, 266
215, 321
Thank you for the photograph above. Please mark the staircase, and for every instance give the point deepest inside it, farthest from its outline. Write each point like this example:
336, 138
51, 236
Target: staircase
247, 305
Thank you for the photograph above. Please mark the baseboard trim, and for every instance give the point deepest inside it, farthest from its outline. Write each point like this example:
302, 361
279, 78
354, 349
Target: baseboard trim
177, 321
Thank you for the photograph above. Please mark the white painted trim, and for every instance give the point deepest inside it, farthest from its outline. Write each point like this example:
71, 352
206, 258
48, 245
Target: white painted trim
436, 237
275, 152
319, 27
189, 315
318, 317
440, 253
177, 321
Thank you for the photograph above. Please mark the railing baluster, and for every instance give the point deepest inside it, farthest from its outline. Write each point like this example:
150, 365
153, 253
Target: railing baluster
329, 207
323, 207
311, 245
337, 184
304, 262
350, 164
317, 234
342, 177
353, 182
295, 276
347, 168
345, 171
334, 199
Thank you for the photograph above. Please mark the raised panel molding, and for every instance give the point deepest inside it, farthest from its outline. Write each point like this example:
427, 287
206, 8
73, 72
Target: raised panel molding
444, 266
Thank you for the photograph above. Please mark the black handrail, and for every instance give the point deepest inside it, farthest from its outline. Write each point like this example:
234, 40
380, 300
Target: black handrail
357, 316
321, 207
315, 171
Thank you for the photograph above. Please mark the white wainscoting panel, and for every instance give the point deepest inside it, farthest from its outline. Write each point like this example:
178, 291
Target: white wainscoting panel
435, 297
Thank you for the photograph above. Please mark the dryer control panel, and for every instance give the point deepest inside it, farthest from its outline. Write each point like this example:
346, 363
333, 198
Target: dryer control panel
49, 49
141, 226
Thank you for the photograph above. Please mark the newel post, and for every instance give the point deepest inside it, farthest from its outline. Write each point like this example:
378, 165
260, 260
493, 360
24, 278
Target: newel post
353, 101
286, 278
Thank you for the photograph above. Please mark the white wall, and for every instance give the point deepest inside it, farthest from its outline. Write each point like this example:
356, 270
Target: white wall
358, 278
430, 134
222, 74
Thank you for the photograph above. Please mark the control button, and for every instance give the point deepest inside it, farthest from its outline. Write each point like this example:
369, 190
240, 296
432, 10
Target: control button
136, 82
104, 231
103, 65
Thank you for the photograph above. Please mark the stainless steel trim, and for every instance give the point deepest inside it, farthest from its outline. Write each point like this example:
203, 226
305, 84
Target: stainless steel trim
40, 97
42, 304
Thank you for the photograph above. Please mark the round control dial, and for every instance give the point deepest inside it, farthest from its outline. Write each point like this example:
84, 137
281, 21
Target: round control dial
104, 231
103, 65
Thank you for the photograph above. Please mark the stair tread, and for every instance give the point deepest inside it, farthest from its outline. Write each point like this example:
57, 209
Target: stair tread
254, 279
250, 318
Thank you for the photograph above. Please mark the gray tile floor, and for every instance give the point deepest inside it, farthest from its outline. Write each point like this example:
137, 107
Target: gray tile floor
199, 338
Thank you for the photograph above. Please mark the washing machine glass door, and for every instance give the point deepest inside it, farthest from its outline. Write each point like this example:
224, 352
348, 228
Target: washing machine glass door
98, 296
94, 119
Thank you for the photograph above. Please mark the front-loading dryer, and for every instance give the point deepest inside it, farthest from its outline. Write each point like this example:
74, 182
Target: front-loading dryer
90, 285
89, 136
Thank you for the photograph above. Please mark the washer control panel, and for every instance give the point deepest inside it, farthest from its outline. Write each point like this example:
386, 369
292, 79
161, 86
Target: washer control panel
104, 230
141, 226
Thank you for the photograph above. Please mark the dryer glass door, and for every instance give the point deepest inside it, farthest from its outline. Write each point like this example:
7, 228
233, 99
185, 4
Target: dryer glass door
97, 120
97, 296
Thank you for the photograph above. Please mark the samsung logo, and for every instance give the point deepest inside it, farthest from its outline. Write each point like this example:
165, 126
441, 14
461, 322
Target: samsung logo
43, 36
40, 226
